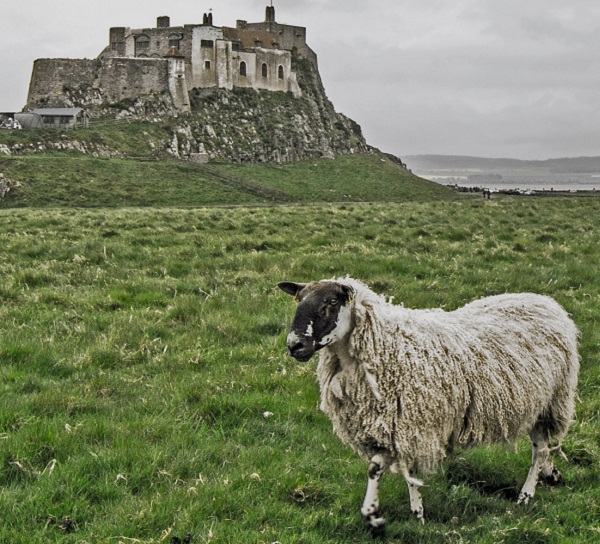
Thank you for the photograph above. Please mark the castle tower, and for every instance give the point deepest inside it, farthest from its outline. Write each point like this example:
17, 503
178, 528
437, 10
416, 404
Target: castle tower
177, 81
117, 41
270, 14
163, 22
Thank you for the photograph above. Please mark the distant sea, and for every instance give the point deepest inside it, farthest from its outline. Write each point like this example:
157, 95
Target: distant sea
566, 174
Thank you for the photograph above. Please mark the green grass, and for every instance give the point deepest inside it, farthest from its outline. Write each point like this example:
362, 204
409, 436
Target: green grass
54, 179
130, 138
67, 180
140, 349
348, 178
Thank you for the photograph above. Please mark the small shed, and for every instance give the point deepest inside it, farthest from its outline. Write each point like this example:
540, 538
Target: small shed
63, 117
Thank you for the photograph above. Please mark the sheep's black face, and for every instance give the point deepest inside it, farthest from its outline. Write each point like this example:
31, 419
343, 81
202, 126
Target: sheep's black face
322, 318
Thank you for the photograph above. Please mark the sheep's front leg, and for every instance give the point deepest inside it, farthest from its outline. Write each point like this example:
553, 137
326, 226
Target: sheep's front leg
370, 508
416, 502
540, 461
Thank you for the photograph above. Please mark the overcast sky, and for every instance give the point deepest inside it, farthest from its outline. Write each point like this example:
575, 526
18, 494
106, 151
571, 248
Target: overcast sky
492, 78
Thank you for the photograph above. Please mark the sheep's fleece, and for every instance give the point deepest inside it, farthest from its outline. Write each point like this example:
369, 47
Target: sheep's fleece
423, 381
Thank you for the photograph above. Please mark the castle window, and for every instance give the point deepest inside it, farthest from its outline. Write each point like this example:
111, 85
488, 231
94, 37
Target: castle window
119, 47
265, 70
280, 72
207, 65
207, 43
243, 69
142, 43
175, 43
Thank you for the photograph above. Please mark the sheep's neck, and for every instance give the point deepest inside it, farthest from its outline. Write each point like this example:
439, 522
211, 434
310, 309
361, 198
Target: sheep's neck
341, 353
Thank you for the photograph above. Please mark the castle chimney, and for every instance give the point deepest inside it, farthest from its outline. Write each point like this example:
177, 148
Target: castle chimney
270, 14
163, 22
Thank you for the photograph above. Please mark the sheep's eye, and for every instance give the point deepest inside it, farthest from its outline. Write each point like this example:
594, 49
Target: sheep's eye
333, 302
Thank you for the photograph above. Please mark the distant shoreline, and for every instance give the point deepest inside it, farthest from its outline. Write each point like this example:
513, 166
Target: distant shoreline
489, 192
509, 184
552, 175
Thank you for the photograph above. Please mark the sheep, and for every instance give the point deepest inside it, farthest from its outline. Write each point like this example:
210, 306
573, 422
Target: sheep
403, 387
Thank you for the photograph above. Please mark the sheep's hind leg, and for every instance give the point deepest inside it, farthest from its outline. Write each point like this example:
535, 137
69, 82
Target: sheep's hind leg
540, 461
549, 471
370, 507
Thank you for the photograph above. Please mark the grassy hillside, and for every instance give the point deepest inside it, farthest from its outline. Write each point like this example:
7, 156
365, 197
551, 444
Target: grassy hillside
54, 179
146, 394
349, 178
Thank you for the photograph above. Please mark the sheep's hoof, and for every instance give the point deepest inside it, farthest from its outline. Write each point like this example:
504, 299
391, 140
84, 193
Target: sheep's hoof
419, 516
375, 525
553, 478
524, 498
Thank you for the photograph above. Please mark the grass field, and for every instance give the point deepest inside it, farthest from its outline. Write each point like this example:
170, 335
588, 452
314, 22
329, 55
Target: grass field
71, 179
146, 394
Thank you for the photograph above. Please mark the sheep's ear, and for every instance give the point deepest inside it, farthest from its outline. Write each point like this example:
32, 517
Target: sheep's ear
348, 291
291, 288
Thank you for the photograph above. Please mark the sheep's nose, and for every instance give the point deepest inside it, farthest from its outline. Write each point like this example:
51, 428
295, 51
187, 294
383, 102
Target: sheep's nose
295, 347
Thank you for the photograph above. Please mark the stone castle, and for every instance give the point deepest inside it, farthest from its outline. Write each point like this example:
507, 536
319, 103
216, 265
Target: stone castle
173, 60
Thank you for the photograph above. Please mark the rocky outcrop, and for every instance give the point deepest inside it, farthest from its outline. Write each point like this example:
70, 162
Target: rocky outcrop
64, 143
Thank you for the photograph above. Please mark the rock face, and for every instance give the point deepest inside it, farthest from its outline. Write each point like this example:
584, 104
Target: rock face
5, 186
239, 125
248, 126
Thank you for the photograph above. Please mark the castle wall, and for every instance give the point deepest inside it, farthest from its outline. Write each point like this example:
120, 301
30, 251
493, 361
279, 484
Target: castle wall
273, 59
288, 37
199, 75
155, 42
223, 67
249, 58
122, 78
114, 78
149, 42
50, 76
178, 85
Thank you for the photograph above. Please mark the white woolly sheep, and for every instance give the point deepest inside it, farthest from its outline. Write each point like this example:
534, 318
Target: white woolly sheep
403, 387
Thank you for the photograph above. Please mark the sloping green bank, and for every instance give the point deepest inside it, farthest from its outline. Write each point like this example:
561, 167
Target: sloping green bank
77, 180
